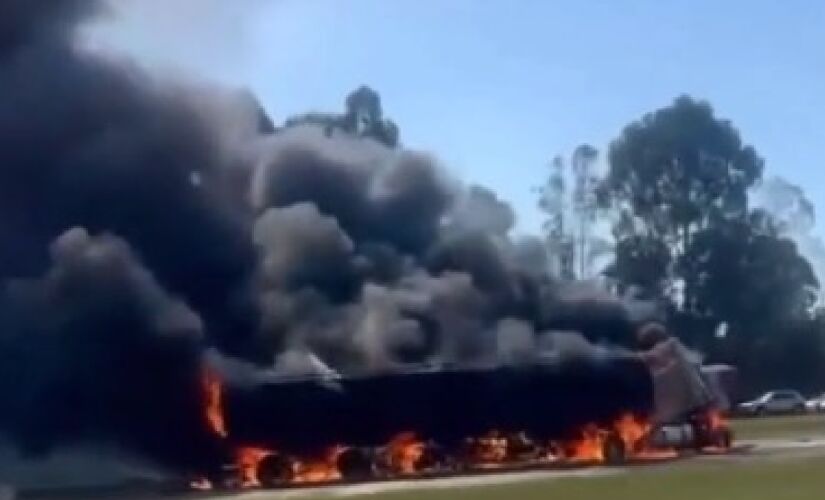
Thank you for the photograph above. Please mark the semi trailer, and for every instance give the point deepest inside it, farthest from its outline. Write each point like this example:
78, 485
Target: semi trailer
603, 407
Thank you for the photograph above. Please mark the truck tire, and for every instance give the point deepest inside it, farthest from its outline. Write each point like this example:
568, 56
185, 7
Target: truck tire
274, 471
434, 457
356, 464
723, 438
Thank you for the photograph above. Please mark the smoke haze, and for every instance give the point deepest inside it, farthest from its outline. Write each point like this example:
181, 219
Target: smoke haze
145, 221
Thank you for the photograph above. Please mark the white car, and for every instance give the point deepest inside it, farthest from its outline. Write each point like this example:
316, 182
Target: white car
816, 404
774, 403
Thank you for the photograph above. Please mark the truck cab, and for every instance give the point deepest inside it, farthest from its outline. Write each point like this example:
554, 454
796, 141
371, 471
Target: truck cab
689, 398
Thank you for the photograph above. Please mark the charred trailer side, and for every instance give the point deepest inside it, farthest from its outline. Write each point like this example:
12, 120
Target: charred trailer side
548, 400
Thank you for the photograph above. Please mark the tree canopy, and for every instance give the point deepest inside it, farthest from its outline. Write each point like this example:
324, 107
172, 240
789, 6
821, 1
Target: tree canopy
362, 116
677, 191
680, 168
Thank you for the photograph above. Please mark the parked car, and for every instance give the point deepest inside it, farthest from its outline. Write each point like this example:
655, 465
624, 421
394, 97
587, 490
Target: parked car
774, 403
816, 404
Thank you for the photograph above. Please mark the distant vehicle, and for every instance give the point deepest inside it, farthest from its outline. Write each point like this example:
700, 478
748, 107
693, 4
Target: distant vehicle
775, 403
816, 404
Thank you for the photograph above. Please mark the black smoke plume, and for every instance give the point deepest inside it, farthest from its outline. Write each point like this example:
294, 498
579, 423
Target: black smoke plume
96, 349
142, 223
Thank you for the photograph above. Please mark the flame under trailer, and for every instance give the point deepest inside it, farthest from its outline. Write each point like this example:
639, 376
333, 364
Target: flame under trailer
547, 401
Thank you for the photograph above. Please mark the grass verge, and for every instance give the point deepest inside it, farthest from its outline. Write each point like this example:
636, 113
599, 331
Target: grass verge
795, 479
780, 427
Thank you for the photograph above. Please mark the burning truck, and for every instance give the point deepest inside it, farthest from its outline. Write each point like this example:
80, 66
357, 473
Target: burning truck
610, 408
689, 398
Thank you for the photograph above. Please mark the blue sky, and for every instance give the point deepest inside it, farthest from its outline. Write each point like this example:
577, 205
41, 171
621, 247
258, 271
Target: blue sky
495, 88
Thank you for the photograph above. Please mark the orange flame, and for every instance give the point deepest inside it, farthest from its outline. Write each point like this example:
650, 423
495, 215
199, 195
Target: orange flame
404, 452
631, 431
717, 420
403, 455
490, 448
656, 454
717, 424
213, 392
248, 459
589, 447
319, 471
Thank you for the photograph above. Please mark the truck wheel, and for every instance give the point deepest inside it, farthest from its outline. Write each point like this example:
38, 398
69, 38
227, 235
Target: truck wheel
434, 457
355, 464
724, 438
614, 450
274, 470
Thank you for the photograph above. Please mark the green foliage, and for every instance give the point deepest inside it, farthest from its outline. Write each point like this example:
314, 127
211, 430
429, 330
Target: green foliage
641, 262
678, 181
363, 116
680, 168
773, 281
570, 201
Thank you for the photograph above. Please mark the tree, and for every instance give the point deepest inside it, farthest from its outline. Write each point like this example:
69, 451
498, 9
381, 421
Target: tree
795, 217
553, 201
744, 274
640, 262
787, 204
362, 116
740, 290
584, 203
569, 198
676, 172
